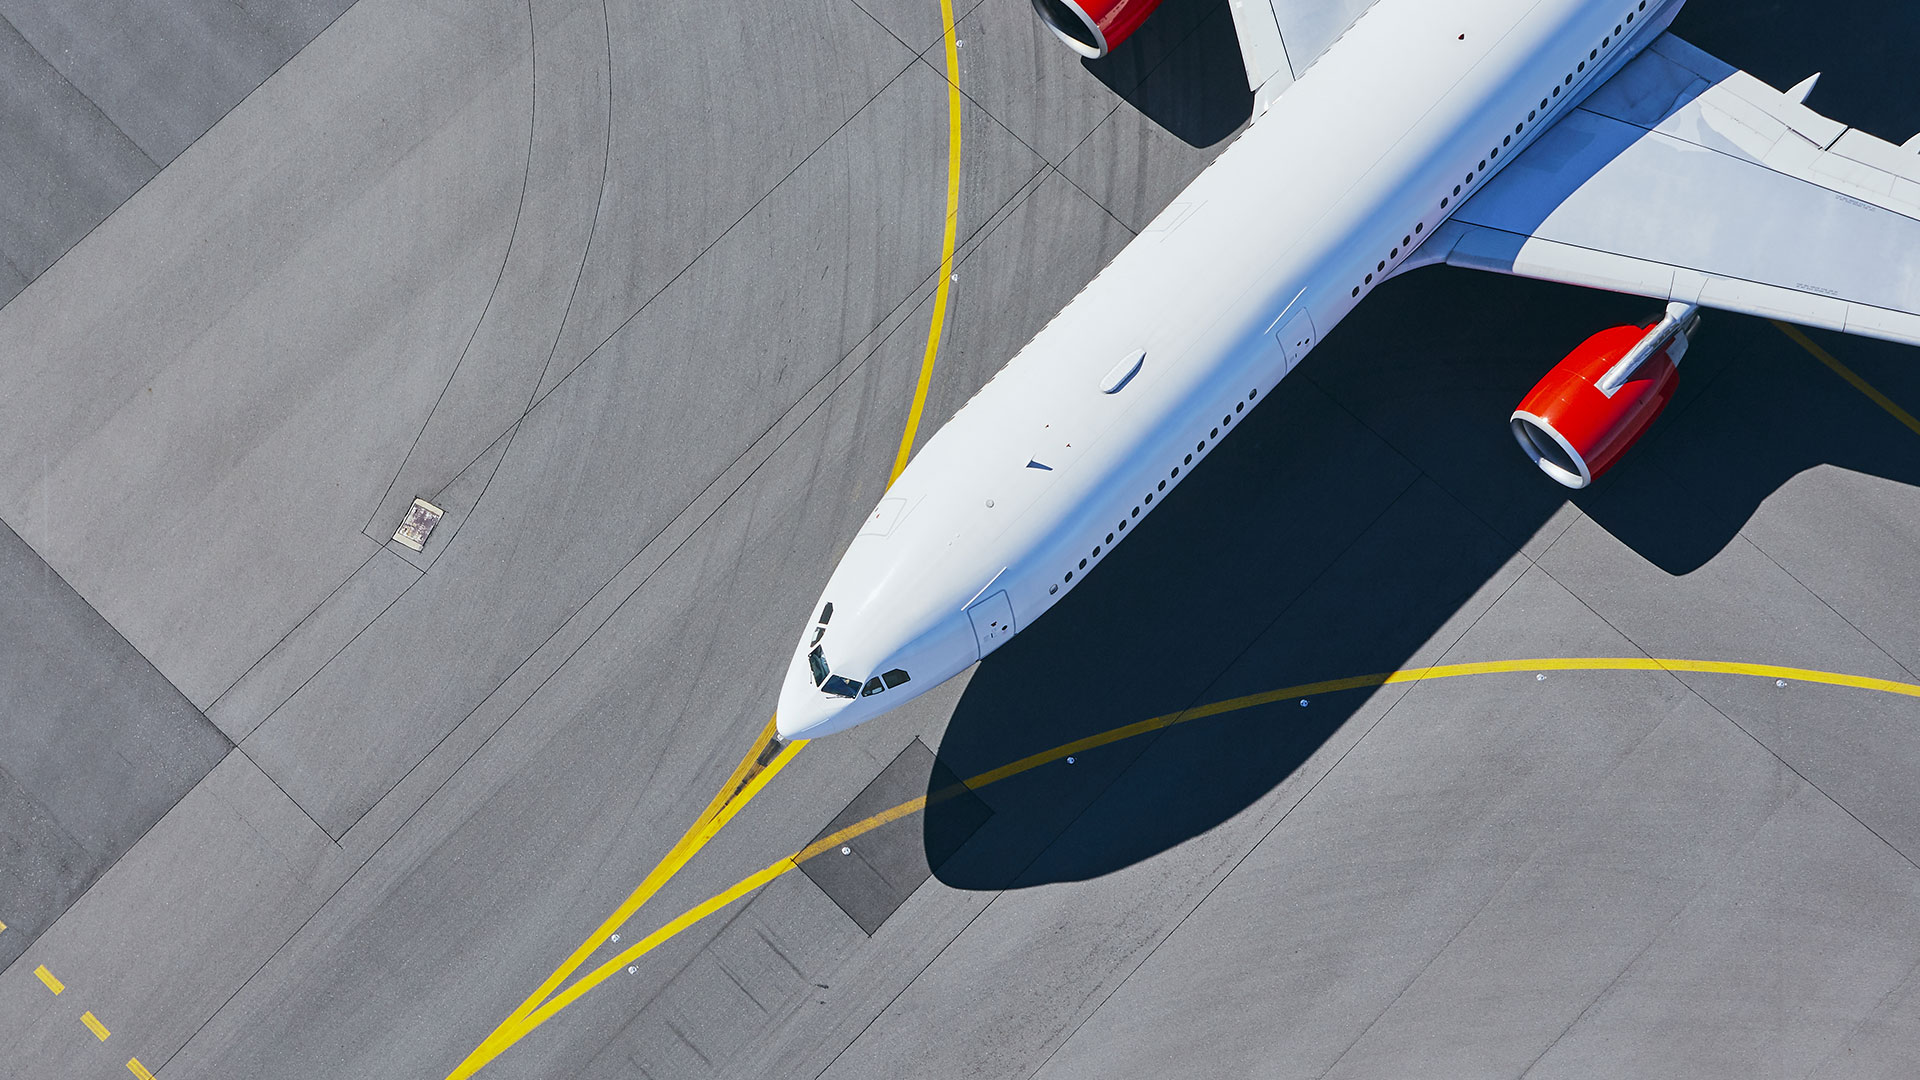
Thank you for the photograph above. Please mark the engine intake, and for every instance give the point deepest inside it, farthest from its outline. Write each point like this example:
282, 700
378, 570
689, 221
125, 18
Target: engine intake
1093, 28
1579, 419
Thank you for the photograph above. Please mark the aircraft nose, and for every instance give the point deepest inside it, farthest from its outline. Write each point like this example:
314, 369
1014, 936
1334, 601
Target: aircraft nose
804, 711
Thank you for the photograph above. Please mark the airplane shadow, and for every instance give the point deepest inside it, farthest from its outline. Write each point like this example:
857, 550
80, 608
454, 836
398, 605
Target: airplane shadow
1182, 70
1336, 531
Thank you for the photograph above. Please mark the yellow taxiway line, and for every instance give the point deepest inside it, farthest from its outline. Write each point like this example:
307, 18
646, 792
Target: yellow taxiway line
754, 771
1846, 373
540, 1009
946, 247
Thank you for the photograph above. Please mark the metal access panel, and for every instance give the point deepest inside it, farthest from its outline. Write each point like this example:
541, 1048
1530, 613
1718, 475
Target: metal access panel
992, 621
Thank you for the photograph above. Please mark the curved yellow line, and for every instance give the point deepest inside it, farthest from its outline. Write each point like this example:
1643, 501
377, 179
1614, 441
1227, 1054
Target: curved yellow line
740, 788
546, 1009
744, 784
946, 247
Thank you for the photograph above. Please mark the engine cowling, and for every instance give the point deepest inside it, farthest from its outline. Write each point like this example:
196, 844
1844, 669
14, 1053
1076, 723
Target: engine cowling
1594, 405
1093, 28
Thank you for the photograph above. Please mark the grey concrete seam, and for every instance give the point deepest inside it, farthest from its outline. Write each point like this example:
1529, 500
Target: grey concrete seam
283, 792
1791, 576
215, 703
593, 230
1652, 940
1297, 803
1492, 895
58, 74
1757, 741
183, 151
904, 310
513, 234
723, 234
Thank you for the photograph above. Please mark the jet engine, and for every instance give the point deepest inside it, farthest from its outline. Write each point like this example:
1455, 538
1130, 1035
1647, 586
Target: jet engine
1578, 420
1094, 28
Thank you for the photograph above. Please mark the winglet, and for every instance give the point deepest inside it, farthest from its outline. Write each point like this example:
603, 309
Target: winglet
1798, 95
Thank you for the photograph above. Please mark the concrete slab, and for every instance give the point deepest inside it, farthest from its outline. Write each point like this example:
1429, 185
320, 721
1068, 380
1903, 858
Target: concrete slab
163, 73
195, 907
1456, 864
710, 141
193, 433
606, 462
1770, 969
320, 636
1416, 835
513, 341
95, 746
66, 168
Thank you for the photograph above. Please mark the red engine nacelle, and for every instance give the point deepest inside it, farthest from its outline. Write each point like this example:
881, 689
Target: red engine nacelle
1578, 420
1093, 28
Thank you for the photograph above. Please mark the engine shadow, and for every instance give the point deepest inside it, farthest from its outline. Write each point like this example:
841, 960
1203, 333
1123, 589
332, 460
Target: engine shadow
1182, 70
1337, 531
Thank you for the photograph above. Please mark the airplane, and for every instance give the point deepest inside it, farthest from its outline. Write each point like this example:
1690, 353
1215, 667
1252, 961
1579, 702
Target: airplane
1574, 141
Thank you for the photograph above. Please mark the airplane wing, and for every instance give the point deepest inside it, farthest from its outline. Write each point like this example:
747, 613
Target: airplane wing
1685, 179
1280, 39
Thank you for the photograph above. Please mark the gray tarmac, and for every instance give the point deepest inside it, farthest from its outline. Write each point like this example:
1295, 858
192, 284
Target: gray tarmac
638, 294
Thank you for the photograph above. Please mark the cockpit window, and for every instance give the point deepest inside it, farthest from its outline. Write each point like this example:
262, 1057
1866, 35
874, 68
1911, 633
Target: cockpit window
840, 687
818, 633
817, 660
894, 678
826, 615
874, 686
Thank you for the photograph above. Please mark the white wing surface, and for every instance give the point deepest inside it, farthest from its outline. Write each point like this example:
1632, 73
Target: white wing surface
1683, 178
1280, 39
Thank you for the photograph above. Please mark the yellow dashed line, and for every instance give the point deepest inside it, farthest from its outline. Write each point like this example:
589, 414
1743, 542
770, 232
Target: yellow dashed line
46, 976
94, 1025
3, 928
137, 1069
1846, 373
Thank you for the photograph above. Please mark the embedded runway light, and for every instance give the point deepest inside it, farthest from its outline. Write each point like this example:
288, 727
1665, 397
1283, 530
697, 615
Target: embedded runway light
615, 937
1069, 759
1779, 682
414, 529
846, 851
1539, 678
631, 968
1303, 703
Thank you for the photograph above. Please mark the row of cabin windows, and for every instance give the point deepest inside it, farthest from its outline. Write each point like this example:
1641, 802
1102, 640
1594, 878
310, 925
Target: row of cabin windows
1406, 242
1147, 501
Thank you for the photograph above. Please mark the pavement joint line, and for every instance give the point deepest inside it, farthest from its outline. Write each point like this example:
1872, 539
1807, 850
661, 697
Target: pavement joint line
47, 977
94, 1025
513, 234
755, 771
1801, 339
546, 1009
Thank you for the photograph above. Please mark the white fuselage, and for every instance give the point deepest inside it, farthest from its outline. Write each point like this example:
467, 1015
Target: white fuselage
1031, 484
